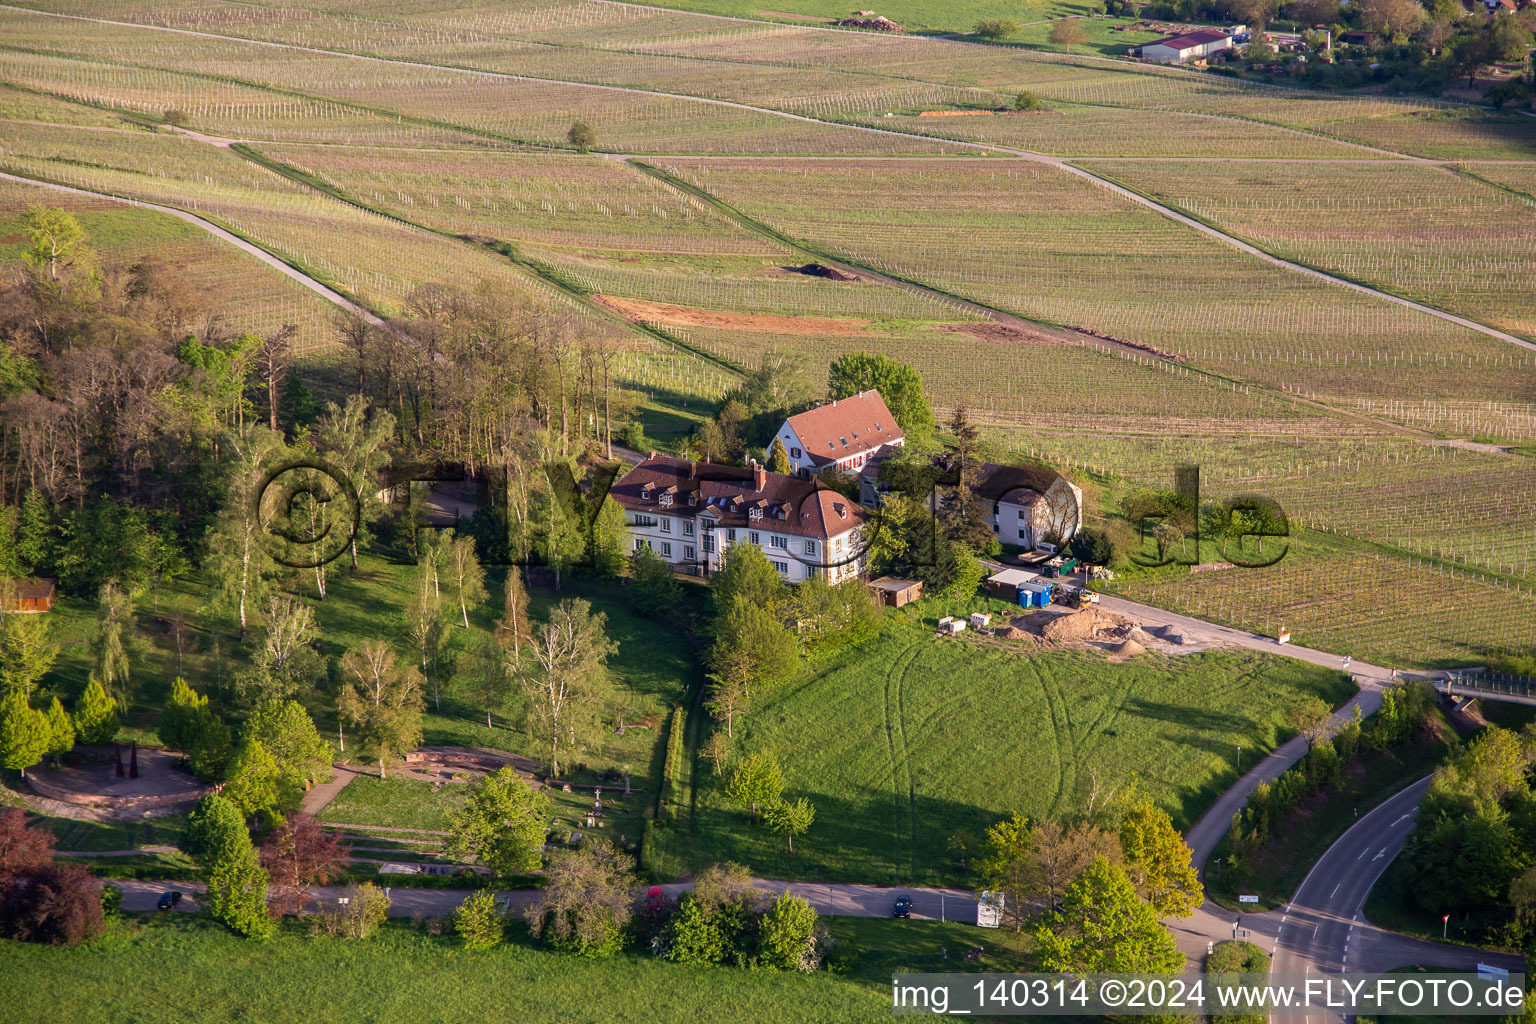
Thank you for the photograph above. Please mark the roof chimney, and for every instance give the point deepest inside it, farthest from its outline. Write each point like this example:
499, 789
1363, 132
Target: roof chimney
693, 467
707, 460
759, 476
650, 454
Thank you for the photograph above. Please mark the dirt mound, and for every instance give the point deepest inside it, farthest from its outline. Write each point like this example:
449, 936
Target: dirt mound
1015, 633
1080, 626
879, 23
1128, 649
822, 270
1140, 636
1011, 334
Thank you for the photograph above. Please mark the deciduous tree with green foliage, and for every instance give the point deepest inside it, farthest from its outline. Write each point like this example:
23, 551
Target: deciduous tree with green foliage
786, 937
586, 902
568, 682
581, 136
1158, 861
790, 818
237, 563
899, 384
653, 589
1104, 927
288, 734
479, 921
756, 782
56, 241
382, 701
503, 823
252, 780
1007, 865
356, 443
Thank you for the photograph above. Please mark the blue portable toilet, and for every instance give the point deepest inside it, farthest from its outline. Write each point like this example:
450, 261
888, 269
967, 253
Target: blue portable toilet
1035, 594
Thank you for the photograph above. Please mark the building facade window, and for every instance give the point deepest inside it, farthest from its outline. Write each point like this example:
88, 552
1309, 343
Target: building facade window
810, 547
688, 527
666, 525
730, 535
777, 541
709, 542
666, 549
689, 553
754, 537
794, 453
783, 567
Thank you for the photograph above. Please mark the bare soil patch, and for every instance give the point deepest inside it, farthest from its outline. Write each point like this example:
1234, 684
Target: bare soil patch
764, 323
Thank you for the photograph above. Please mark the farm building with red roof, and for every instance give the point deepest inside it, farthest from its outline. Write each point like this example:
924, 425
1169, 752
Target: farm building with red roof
845, 434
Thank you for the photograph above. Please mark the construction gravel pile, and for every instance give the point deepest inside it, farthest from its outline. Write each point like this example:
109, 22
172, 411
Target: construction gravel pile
1088, 624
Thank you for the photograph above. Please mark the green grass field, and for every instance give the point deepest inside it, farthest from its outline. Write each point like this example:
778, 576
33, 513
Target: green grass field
183, 968
910, 739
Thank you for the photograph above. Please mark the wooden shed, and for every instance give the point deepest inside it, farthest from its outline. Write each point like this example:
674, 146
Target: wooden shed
29, 595
894, 592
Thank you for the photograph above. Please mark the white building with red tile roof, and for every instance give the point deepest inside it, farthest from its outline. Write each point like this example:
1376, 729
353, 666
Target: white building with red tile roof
1189, 46
844, 434
691, 513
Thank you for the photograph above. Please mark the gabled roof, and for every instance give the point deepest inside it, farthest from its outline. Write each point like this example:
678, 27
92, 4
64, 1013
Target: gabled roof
845, 427
788, 504
1190, 39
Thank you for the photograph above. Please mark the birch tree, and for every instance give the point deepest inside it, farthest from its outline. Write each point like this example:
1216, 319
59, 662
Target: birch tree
567, 683
382, 701
238, 563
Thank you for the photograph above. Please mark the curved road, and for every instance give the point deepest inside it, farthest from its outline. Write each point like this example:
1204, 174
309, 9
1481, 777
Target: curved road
1058, 163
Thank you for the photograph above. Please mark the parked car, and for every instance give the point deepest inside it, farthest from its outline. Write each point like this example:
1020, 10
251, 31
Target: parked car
654, 900
903, 907
168, 900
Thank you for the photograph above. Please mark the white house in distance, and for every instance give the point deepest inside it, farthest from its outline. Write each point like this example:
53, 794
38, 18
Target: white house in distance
845, 433
1187, 47
691, 513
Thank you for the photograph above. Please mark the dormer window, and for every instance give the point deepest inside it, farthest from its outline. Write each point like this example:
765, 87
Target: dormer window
693, 499
879, 427
844, 440
755, 513
666, 499
831, 445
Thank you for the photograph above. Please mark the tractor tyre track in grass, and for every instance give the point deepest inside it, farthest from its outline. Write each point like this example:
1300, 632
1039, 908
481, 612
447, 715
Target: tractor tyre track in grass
1059, 163
1061, 734
896, 732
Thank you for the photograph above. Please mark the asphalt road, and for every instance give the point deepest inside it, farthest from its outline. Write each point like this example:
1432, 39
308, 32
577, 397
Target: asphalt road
957, 905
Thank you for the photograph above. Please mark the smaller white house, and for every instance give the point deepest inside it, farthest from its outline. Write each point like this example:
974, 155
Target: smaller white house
1190, 46
845, 433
